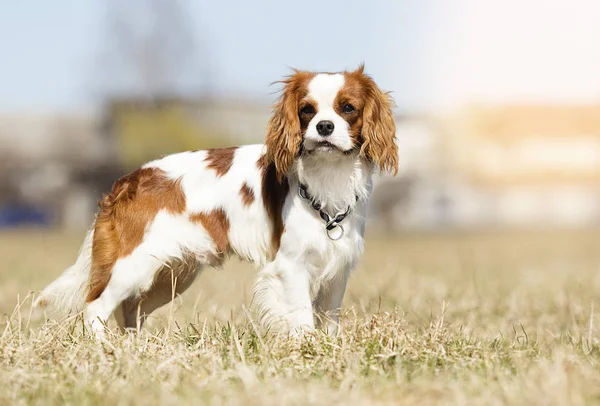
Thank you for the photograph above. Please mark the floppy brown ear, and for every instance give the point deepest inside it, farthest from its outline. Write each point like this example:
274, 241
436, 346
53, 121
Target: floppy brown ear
284, 134
379, 128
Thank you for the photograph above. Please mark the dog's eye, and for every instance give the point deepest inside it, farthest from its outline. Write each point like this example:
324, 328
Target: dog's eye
348, 108
308, 109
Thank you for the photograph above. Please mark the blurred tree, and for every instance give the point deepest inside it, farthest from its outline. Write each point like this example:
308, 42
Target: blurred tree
151, 49
152, 76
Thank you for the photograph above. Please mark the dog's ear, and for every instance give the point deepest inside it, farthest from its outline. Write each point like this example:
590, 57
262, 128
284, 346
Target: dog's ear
284, 133
379, 128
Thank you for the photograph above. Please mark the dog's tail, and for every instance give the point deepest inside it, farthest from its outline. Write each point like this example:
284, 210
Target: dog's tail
68, 292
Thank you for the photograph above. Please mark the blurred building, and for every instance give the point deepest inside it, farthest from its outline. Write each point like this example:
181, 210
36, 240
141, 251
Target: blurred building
146, 128
531, 164
51, 168
417, 196
510, 166
54, 168
500, 166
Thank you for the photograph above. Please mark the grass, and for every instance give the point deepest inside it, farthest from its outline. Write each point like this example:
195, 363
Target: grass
479, 318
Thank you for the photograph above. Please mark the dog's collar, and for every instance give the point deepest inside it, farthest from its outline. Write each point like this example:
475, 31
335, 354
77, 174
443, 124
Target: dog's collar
331, 223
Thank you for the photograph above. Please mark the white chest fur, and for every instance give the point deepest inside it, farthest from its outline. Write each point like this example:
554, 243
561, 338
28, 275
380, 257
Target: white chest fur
305, 241
310, 269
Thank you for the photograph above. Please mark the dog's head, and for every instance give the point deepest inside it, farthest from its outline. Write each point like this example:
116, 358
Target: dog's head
332, 113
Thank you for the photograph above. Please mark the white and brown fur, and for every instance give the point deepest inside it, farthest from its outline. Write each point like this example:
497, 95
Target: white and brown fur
163, 223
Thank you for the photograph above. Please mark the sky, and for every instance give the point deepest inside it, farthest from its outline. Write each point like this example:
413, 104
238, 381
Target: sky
432, 54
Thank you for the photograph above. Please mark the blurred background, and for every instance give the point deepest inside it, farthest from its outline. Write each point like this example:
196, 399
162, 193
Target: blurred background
498, 102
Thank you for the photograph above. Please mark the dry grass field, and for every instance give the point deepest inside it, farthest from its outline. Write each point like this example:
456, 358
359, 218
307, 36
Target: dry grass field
480, 318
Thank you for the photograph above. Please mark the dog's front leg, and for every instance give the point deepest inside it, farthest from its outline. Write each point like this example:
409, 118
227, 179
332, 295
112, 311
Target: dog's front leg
282, 296
328, 302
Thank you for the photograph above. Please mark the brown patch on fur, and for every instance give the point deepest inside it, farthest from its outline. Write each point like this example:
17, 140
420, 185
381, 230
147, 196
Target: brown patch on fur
247, 194
285, 129
132, 204
216, 224
220, 159
353, 93
274, 191
372, 124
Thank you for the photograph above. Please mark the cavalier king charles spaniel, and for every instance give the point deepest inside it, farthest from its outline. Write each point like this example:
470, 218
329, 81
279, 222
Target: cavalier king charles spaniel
294, 206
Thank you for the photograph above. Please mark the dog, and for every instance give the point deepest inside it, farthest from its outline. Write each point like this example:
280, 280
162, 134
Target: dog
295, 207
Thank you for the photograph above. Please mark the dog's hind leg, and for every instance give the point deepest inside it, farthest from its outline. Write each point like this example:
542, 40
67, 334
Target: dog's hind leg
130, 277
126, 315
170, 282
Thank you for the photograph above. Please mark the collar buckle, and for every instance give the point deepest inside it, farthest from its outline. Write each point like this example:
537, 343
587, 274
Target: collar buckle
331, 224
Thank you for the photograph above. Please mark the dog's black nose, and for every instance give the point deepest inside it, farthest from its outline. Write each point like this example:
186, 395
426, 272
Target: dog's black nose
325, 128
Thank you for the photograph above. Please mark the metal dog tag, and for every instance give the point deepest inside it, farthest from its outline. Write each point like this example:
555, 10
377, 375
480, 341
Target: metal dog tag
336, 232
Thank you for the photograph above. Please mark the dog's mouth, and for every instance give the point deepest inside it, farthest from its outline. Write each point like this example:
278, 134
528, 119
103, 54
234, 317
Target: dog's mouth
323, 146
326, 146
